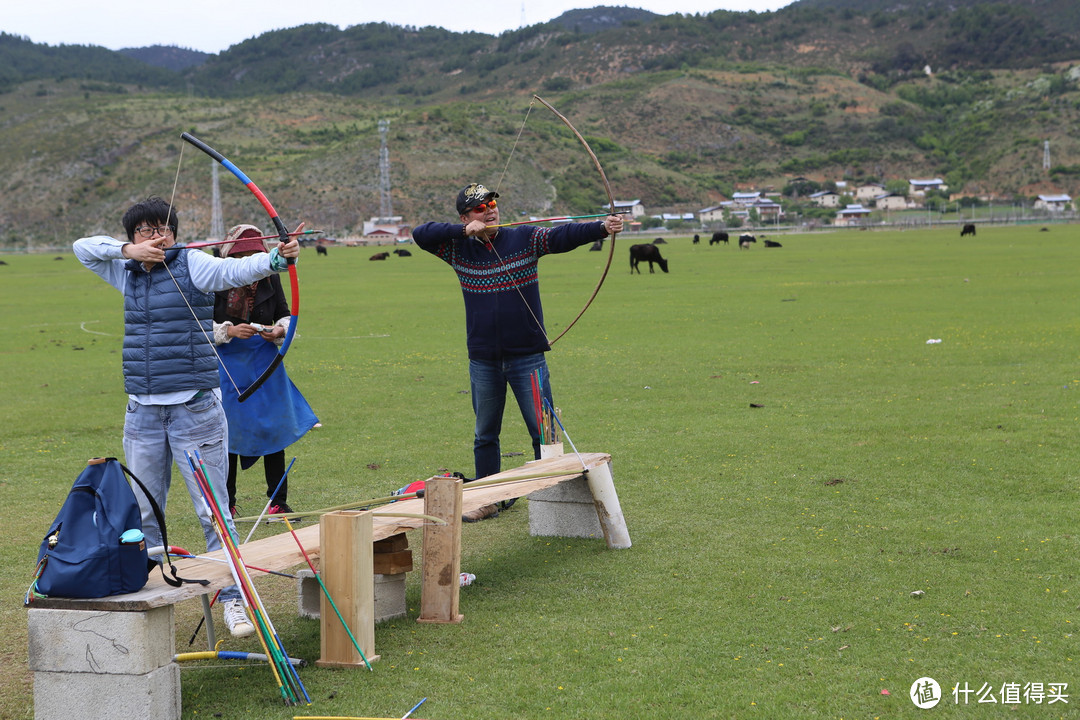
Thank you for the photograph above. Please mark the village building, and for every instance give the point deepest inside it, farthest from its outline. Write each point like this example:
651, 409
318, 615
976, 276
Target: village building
633, 207
852, 215
825, 198
1053, 203
868, 191
919, 187
891, 201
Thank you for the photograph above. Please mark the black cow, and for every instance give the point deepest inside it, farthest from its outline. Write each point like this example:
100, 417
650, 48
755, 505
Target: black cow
969, 229
598, 245
379, 256
718, 237
650, 253
772, 243
659, 241
745, 239
402, 252
697, 239
320, 250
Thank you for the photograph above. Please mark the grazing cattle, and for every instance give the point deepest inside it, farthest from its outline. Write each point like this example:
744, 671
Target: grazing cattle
697, 239
596, 246
2, 262
659, 241
58, 257
402, 252
772, 243
379, 256
1044, 229
320, 250
649, 253
745, 240
969, 229
718, 237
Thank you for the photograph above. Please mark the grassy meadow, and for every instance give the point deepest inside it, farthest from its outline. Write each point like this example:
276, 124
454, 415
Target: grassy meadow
794, 461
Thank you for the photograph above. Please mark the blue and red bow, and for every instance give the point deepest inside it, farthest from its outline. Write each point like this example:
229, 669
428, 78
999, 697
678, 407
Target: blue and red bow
283, 236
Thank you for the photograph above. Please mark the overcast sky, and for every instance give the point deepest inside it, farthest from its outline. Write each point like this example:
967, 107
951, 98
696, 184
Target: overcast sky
215, 25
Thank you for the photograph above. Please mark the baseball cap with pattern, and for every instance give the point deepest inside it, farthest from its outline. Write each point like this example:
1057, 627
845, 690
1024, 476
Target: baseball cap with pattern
472, 195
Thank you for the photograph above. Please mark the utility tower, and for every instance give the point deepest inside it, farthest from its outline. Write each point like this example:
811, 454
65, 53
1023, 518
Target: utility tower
217, 222
1046, 156
386, 205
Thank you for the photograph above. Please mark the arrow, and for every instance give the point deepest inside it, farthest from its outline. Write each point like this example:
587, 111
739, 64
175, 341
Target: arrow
553, 219
208, 243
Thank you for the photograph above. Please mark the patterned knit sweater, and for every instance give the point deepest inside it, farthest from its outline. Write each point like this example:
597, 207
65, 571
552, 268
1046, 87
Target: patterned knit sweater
497, 321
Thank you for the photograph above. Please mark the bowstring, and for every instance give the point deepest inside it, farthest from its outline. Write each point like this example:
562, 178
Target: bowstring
514, 284
491, 245
198, 323
514, 147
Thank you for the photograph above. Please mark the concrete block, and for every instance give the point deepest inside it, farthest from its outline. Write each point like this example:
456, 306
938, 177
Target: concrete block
389, 596
99, 642
564, 510
89, 696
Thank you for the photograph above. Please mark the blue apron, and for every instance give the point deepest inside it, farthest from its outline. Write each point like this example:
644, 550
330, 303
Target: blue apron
276, 415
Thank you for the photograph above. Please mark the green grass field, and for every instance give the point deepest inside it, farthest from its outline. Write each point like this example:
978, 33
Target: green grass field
776, 548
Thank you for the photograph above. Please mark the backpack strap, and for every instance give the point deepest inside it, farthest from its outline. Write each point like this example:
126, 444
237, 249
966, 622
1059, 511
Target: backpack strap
175, 580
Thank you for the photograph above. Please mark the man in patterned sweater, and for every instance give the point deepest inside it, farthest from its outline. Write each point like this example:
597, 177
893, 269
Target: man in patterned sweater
504, 321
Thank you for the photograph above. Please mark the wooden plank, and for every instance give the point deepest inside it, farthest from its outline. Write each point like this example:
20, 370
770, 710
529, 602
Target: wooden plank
441, 559
393, 563
348, 577
280, 552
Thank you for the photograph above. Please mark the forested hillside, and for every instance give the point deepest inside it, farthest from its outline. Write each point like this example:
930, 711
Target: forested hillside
681, 110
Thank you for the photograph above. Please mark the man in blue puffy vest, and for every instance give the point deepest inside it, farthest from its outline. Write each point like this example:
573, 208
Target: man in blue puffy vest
170, 369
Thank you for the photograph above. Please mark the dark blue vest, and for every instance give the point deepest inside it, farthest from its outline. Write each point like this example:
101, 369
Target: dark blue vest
164, 349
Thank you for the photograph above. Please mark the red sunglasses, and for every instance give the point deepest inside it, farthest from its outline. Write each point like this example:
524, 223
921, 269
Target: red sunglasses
483, 207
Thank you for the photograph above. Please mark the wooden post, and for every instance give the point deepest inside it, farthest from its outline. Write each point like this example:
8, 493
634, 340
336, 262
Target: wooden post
441, 565
346, 569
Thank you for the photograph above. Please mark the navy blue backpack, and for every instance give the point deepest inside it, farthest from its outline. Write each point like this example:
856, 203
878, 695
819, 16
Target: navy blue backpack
95, 546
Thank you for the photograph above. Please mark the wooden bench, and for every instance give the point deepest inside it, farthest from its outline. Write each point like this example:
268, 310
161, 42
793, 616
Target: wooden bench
116, 653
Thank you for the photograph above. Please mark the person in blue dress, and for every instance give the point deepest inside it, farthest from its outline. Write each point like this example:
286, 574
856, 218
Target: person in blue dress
250, 322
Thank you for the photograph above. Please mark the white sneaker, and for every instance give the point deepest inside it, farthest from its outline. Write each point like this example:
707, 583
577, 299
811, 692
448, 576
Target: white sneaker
237, 620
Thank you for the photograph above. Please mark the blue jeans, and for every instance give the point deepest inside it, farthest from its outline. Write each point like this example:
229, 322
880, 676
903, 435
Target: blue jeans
488, 380
155, 435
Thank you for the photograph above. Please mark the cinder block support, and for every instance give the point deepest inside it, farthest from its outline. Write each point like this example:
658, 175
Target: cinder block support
583, 507
564, 510
113, 665
389, 596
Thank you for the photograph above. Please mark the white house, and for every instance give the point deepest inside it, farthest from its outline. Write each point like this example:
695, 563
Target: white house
634, 207
767, 209
711, 214
1053, 203
745, 199
919, 187
825, 198
868, 191
891, 201
852, 215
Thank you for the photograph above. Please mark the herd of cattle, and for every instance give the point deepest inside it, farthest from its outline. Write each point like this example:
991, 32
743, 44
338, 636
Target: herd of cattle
650, 253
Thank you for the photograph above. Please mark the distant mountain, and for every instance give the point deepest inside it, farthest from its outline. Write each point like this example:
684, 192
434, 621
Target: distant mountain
683, 110
22, 60
167, 56
602, 17
1061, 16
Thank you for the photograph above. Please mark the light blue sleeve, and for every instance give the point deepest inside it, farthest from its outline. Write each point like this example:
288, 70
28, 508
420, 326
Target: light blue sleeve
103, 255
211, 274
